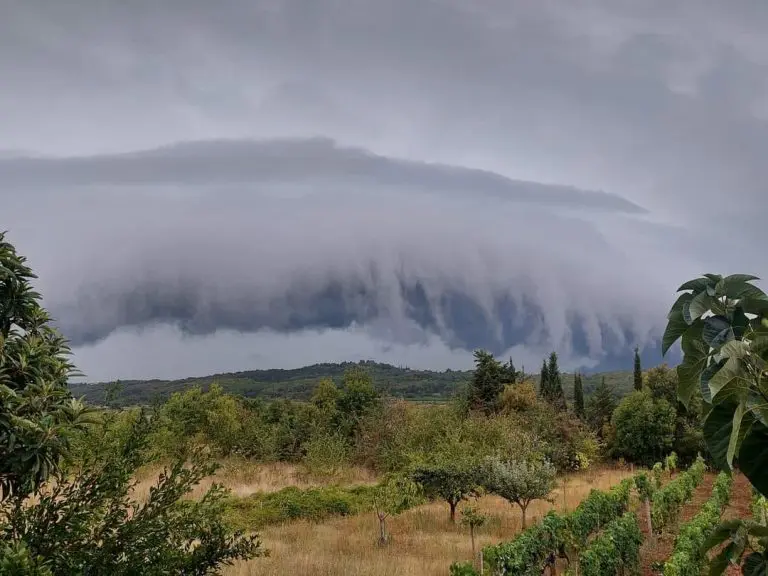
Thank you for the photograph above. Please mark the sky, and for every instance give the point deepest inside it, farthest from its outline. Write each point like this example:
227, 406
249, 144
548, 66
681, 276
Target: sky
220, 186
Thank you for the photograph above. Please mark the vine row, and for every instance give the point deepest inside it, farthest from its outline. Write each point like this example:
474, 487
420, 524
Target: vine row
615, 550
689, 556
667, 502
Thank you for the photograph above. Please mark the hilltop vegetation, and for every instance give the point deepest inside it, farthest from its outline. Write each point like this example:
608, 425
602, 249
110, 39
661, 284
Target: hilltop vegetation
298, 383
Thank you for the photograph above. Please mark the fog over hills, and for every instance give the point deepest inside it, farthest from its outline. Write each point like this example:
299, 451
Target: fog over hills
267, 184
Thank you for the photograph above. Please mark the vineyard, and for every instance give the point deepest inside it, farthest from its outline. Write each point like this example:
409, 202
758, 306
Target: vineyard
634, 527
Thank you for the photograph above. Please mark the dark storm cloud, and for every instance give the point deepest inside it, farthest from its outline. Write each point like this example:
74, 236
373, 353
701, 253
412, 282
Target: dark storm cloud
238, 162
661, 104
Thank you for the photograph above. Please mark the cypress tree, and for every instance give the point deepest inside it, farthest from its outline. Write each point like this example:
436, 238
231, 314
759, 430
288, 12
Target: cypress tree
600, 407
556, 394
578, 396
638, 371
544, 388
487, 382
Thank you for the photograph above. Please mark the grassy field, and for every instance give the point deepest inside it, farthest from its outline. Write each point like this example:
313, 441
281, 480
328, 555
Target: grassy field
424, 542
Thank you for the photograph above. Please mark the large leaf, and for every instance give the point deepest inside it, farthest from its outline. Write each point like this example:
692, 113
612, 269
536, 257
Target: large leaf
742, 423
706, 376
700, 304
755, 564
717, 331
717, 432
739, 322
753, 457
697, 284
676, 327
730, 372
689, 376
677, 307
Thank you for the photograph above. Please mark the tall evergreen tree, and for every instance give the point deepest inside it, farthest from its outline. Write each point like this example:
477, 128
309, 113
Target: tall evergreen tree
578, 396
638, 371
556, 396
544, 388
600, 406
487, 382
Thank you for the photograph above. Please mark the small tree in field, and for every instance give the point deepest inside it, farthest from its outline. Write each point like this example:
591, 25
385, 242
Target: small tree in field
392, 497
472, 519
450, 480
520, 482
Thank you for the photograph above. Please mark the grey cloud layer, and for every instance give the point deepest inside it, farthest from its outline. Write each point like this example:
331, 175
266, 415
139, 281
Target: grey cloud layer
662, 104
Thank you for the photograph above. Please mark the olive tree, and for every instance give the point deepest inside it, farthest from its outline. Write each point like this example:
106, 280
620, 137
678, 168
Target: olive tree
450, 480
722, 325
520, 482
393, 496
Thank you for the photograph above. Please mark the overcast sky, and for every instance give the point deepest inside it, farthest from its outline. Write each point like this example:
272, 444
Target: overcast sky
218, 186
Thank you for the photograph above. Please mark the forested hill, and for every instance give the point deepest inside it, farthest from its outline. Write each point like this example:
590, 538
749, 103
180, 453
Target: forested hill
298, 383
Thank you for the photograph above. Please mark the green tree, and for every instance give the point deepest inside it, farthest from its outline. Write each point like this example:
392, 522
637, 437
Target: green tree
473, 520
638, 371
59, 522
552, 383
358, 398
392, 497
512, 374
722, 323
452, 480
578, 396
37, 412
643, 428
520, 482
487, 383
600, 407
545, 391
326, 397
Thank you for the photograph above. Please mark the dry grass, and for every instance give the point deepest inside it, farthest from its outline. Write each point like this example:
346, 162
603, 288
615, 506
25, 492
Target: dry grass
243, 478
424, 542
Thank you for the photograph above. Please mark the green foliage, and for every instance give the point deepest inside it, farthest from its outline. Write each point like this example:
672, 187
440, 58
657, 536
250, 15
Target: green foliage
452, 480
460, 569
637, 373
578, 396
670, 463
658, 474
256, 511
487, 383
393, 496
37, 412
89, 519
689, 556
643, 428
645, 488
552, 383
616, 550
471, 518
537, 547
721, 323
17, 560
668, 500
326, 454
600, 407
519, 482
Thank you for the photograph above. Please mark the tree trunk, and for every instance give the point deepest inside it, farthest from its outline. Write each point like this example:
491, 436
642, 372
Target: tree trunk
382, 530
523, 508
472, 536
647, 506
452, 504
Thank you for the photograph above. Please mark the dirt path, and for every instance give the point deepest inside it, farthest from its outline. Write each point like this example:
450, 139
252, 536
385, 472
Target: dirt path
656, 549
738, 507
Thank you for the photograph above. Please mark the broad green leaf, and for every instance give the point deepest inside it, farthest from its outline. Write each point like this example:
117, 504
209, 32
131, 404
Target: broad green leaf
736, 432
755, 305
739, 322
722, 532
686, 312
755, 564
706, 376
700, 304
717, 331
717, 432
676, 327
753, 457
689, 376
730, 372
697, 284
677, 307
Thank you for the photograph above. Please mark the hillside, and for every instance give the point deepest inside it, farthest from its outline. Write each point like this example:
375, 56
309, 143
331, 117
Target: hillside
298, 383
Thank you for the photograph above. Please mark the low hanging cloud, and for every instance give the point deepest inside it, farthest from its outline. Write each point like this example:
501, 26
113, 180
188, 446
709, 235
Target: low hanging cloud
289, 236
405, 179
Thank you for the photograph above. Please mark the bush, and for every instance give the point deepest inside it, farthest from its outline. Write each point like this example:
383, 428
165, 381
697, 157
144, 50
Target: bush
689, 556
643, 428
463, 569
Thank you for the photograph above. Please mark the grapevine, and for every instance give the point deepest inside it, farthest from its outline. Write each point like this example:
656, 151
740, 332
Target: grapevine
667, 501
